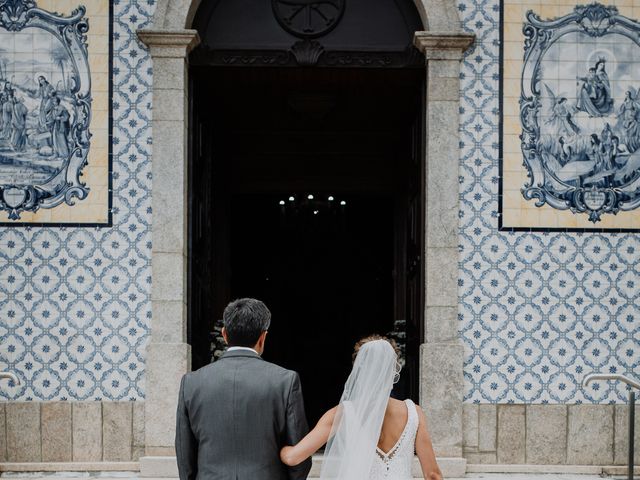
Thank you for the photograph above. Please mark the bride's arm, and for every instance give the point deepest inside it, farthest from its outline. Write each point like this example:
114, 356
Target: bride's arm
424, 449
315, 439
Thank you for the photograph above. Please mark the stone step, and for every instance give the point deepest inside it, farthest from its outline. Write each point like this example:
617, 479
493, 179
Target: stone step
154, 467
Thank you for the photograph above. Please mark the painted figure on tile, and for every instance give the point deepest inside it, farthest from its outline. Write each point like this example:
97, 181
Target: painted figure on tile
628, 120
566, 151
594, 95
60, 128
46, 92
4, 97
560, 119
628, 166
19, 125
602, 155
606, 147
7, 116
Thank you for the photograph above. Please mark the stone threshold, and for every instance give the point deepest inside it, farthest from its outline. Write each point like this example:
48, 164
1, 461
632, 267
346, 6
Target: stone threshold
69, 466
603, 470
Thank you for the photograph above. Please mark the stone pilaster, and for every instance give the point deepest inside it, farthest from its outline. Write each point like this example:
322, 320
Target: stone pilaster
168, 354
441, 391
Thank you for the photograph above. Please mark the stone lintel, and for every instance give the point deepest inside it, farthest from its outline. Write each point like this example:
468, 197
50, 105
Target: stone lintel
443, 45
169, 43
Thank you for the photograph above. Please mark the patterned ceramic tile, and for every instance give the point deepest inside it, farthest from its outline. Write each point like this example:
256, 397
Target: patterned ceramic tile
538, 311
75, 302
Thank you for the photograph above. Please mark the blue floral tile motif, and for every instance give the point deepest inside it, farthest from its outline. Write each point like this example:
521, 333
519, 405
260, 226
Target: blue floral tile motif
537, 310
75, 303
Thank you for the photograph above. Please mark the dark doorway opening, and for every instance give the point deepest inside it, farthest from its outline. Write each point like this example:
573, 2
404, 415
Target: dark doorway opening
306, 191
326, 273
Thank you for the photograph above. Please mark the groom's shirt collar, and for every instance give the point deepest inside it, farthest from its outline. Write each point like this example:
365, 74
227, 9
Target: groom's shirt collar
231, 349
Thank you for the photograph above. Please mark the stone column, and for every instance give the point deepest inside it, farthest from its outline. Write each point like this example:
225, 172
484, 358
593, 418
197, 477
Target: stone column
168, 354
441, 386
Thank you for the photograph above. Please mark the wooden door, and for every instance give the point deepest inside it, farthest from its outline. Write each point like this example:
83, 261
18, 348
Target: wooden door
414, 266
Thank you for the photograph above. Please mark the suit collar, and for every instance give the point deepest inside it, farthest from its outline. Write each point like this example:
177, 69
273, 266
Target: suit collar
240, 353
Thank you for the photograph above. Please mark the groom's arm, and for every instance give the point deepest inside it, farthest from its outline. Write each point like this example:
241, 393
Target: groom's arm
186, 443
297, 427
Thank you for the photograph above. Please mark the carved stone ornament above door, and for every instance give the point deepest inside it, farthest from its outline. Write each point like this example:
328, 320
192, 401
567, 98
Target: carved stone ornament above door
308, 18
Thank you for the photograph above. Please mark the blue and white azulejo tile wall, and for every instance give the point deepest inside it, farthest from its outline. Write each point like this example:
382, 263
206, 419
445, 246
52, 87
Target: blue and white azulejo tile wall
538, 310
75, 302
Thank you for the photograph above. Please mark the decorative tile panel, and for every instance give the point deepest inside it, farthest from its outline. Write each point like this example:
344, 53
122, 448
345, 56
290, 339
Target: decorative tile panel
75, 301
55, 91
538, 310
570, 113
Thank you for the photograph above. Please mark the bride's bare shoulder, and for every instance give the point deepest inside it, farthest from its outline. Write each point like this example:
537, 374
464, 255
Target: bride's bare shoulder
400, 404
393, 402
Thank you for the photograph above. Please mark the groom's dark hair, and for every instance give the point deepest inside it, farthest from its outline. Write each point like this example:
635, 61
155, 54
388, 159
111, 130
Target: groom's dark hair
244, 320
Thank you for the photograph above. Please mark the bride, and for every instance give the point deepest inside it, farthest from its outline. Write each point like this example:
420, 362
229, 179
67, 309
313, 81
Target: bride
370, 435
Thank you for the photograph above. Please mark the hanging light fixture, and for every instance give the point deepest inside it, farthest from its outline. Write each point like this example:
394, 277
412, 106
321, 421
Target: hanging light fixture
311, 203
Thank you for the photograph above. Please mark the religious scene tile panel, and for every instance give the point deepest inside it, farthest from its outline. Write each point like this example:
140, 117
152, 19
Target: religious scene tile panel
538, 310
574, 86
54, 113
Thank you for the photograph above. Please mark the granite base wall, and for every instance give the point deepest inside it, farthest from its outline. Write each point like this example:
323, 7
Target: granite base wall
548, 434
79, 432
508, 434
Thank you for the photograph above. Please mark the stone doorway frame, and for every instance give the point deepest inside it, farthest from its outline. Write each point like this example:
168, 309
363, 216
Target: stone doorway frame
170, 40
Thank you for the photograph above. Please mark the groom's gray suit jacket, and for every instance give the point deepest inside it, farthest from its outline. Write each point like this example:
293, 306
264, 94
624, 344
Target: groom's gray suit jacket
233, 418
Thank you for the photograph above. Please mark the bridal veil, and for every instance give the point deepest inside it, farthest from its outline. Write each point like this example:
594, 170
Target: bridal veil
351, 448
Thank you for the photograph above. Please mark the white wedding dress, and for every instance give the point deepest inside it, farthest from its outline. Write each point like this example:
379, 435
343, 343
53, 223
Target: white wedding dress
396, 463
352, 452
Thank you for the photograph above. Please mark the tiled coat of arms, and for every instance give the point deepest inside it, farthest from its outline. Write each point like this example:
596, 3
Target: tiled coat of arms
47, 126
579, 118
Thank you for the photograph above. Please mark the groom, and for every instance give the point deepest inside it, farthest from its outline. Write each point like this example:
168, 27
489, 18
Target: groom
236, 414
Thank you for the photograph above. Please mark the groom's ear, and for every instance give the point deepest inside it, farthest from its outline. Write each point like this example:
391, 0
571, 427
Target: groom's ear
260, 344
224, 335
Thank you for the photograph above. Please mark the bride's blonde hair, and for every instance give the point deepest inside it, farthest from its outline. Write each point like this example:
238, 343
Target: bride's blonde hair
371, 338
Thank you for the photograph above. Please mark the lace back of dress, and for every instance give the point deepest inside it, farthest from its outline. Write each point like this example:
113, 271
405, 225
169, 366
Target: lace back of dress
396, 463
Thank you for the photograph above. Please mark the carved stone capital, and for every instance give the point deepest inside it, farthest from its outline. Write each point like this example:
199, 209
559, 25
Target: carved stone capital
169, 43
443, 45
